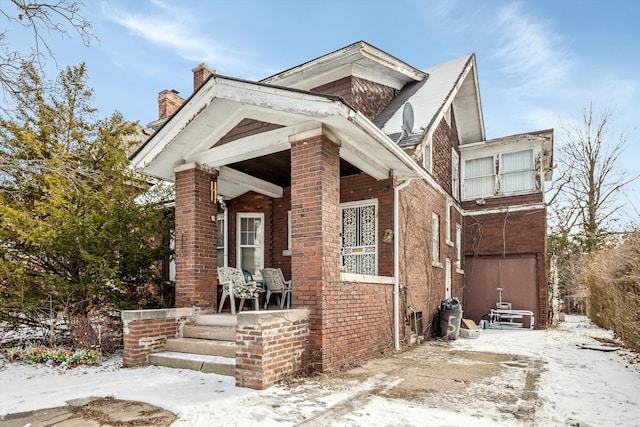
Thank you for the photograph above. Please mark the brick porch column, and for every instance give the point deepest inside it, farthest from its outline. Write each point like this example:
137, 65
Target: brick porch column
196, 233
315, 225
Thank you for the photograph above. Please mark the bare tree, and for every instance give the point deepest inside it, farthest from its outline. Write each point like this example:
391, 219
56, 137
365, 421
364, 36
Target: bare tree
40, 20
587, 194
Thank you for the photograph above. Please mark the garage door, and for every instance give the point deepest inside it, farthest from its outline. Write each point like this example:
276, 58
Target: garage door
516, 275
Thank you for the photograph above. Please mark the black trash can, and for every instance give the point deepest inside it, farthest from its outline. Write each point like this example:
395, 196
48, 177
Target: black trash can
450, 318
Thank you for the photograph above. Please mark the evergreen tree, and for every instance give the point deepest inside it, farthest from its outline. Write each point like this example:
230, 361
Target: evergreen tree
75, 239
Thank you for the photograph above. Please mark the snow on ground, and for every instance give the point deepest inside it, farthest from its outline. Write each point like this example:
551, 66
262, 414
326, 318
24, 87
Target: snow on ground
578, 387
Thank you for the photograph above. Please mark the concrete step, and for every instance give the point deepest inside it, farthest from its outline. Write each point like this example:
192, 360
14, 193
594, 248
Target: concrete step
220, 333
202, 346
195, 362
218, 319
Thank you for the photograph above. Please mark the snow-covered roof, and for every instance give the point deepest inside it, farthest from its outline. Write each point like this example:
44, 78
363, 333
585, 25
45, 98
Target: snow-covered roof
450, 83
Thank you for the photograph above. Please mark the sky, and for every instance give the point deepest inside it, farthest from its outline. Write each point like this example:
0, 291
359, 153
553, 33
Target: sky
540, 63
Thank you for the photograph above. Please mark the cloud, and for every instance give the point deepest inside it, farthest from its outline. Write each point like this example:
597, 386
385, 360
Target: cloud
176, 29
529, 49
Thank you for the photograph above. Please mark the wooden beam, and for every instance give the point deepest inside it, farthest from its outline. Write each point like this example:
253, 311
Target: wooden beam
255, 184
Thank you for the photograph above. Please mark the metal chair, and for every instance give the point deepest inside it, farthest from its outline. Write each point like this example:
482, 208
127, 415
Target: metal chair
275, 284
234, 286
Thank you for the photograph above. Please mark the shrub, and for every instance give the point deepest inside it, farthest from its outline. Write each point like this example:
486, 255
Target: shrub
55, 356
613, 279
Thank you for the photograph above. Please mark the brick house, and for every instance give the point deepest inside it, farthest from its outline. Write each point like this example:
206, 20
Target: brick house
368, 181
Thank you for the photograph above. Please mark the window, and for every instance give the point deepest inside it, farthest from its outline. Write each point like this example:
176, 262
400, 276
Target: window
287, 252
455, 174
447, 224
447, 278
426, 155
222, 234
359, 237
251, 242
459, 247
517, 172
435, 239
479, 177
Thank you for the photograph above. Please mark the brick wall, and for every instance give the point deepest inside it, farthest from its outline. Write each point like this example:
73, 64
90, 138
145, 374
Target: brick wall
271, 346
315, 199
363, 187
512, 233
368, 97
423, 283
358, 322
195, 244
502, 202
146, 332
444, 138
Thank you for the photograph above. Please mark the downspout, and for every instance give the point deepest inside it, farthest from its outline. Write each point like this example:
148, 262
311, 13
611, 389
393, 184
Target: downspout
396, 263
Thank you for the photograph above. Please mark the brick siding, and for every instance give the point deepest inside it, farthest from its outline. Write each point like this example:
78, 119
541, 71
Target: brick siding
423, 283
368, 97
315, 195
271, 346
146, 332
195, 245
512, 233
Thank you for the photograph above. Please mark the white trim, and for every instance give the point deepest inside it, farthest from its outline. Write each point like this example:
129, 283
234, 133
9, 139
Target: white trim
366, 278
427, 163
287, 252
435, 239
447, 278
239, 217
361, 203
225, 239
447, 223
536, 206
459, 248
396, 262
455, 178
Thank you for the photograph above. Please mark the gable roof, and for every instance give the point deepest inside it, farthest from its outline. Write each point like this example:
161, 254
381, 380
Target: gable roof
452, 83
359, 59
195, 132
192, 134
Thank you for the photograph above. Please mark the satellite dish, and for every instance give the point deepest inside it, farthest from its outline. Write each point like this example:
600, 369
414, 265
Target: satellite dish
407, 119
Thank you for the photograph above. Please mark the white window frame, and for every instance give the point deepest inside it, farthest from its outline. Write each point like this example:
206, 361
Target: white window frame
222, 245
459, 251
239, 246
493, 174
447, 278
427, 155
447, 224
501, 174
361, 203
455, 174
287, 252
435, 240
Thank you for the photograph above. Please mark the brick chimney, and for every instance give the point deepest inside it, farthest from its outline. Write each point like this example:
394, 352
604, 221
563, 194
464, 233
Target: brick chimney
168, 102
200, 74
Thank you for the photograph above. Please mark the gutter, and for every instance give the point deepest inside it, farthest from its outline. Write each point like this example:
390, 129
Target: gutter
396, 263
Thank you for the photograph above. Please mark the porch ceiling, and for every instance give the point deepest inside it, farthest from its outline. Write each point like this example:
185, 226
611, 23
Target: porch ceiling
194, 134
